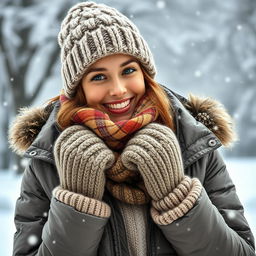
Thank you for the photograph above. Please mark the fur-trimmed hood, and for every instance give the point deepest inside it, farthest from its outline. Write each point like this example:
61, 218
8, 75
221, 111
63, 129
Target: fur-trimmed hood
209, 112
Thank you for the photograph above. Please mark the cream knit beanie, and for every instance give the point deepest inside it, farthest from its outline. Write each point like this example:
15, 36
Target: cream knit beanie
91, 31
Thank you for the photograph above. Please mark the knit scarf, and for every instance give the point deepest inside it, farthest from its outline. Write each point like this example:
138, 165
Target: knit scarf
125, 185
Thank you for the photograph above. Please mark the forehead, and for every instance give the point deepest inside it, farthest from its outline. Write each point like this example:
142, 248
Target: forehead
112, 59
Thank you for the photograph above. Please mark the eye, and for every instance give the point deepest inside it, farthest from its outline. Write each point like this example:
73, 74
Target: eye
129, 71
98, 77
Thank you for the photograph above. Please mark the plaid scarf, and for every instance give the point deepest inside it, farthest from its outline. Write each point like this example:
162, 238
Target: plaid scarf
125, 185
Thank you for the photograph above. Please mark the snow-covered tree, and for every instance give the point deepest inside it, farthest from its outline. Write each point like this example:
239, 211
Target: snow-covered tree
29, 53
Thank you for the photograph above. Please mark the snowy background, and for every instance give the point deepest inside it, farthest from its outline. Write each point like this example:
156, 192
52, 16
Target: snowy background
206, 47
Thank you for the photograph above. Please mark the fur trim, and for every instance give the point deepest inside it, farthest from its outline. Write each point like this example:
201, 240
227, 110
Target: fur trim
26, 127
214, 116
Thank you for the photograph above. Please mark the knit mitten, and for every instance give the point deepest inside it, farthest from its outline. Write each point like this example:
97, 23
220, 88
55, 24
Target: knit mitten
81, 159
155, 152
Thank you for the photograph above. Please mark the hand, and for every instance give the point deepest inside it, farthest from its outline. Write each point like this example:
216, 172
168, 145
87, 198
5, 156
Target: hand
155, 152
81, 158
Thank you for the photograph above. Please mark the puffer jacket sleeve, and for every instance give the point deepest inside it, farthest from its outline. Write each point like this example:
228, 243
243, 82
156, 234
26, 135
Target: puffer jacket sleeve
216, 224
48, 227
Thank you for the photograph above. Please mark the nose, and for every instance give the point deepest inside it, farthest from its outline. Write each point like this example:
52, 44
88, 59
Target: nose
118, 88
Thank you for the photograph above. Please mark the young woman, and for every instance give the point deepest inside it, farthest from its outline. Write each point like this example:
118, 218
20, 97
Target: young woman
121, 165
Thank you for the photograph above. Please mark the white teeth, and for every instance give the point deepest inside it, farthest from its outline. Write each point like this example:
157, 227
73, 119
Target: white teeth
120, 105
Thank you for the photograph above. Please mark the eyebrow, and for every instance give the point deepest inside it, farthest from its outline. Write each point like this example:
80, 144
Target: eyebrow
104, 69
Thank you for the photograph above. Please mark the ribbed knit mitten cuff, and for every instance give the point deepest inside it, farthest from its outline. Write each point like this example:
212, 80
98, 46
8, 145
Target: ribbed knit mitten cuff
177, 203
82, 203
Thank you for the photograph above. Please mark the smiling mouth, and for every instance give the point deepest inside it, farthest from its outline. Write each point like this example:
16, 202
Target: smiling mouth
119, 108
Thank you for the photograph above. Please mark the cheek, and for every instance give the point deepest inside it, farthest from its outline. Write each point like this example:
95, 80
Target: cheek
138, 86
94, 96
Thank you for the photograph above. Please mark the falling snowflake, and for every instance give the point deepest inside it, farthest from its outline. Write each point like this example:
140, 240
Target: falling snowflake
188, 229
11, 79
83, 220
227, 79
177, 224
54, 242
198, 13
160, 4
32, 240
15, 167
131, 16
5, 103
239, 27
231, 214
45, 214
24, 162
198, 73
236, 116
215, 128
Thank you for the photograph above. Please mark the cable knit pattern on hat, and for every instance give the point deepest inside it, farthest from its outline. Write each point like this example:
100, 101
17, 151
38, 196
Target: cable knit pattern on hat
81, 159
91, 31
155, 152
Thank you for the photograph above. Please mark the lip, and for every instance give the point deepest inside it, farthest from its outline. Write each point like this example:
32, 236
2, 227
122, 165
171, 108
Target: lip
122, 110
118, 101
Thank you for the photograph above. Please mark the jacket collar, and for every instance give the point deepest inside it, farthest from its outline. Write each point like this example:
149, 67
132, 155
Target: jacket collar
42, 146
195, 139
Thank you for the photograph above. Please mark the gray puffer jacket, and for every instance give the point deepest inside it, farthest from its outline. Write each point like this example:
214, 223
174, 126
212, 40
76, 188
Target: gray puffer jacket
214, 226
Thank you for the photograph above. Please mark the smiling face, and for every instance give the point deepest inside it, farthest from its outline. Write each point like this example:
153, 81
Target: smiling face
114, 85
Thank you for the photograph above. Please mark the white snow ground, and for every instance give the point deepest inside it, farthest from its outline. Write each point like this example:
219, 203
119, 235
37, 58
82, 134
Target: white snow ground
242, 171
